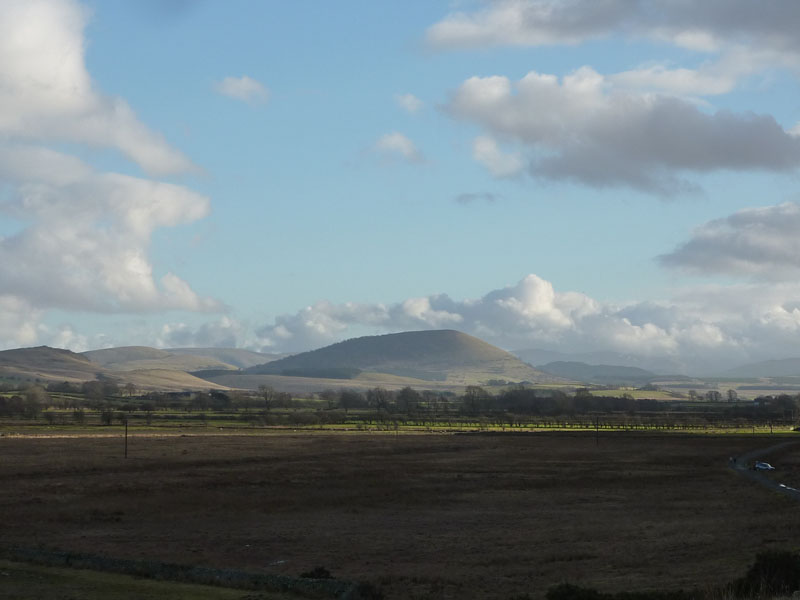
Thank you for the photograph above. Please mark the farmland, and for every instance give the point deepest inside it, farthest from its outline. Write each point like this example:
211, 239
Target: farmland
419, 515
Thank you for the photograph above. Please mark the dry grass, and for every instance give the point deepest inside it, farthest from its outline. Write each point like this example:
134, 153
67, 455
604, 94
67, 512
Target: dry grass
425, 516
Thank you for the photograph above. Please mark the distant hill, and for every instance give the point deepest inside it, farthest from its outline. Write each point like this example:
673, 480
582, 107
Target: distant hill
47, 364
134, 358
661, 365
787, 367
603, 374
436, 356
237, 357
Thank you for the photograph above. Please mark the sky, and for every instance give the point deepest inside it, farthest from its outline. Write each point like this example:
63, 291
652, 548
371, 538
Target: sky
570, 175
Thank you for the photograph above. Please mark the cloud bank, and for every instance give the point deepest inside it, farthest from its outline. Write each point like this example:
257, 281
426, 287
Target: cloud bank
708, 326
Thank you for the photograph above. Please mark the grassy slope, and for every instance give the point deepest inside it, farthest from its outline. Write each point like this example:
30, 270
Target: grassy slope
239, 358
132, 358
168, 380
45, 363
424, 355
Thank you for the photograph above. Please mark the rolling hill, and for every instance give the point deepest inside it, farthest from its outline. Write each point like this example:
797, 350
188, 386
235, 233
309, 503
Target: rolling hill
237, 357
133, 358
47, 364
426, 356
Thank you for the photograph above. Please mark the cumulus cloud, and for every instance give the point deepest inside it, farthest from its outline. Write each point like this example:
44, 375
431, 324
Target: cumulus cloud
397, 145
46, 93
581, 128
486, 151
736, 39
243, 88
530, 313
223, 333
83, 235
409, 102
758, 242
85, 243
704, 328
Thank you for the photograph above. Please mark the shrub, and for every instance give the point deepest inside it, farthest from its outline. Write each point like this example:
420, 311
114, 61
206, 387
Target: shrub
775, 572
317, 573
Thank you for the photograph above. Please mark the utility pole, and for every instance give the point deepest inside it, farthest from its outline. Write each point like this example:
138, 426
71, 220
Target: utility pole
126, 437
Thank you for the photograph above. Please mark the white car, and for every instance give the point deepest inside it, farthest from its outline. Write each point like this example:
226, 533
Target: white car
763, 466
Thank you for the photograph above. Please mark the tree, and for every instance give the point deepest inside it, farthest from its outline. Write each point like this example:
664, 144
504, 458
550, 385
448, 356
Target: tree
713, 396
35, 399
475, 397
351, 399
378, 398
269, 395
330, 397
732, 395
408, 400
130, 388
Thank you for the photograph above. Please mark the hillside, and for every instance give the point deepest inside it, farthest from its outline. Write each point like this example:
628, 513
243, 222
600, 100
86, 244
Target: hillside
237, 357
49, 364
436, 356
134, 358
604, 374
661, 365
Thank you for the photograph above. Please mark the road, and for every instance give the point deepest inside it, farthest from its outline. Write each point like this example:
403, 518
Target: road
742, 463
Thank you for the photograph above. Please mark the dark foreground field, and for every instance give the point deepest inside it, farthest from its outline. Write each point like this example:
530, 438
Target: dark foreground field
422, 516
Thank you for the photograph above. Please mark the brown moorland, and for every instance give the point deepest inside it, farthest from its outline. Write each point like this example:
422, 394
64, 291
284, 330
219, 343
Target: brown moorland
422, 516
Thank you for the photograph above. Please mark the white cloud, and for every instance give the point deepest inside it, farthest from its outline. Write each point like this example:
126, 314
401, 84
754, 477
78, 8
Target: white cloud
243, 88
397, 145
18, 322
486, 152
758, 242
47, 94
530, 313
84, 235
409, 102
738, 38
85, 245
704, 328
223, 333
581, 128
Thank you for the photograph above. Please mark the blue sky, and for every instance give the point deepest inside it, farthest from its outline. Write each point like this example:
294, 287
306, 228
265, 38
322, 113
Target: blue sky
562, 174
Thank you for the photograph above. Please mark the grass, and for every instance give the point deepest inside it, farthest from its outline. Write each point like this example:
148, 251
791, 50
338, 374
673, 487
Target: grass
19, 581
424, 516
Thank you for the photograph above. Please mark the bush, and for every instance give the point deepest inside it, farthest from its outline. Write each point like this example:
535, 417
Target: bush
775, 572
317, 573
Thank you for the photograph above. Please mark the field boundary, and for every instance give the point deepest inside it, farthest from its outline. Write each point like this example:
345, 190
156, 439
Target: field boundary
160, 571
